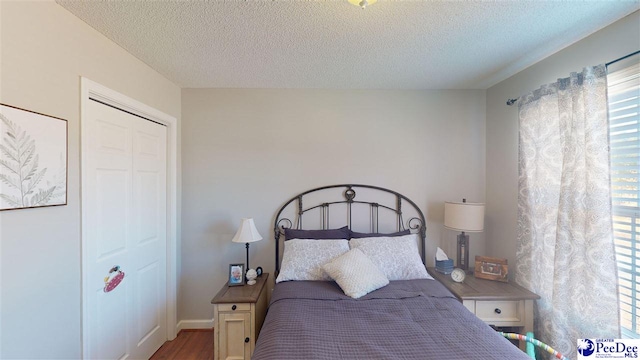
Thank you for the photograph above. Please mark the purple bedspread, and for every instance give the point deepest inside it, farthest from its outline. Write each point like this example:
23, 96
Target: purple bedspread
411, 319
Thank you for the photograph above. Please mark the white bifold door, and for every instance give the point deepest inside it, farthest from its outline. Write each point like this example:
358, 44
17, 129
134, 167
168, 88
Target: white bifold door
125, 200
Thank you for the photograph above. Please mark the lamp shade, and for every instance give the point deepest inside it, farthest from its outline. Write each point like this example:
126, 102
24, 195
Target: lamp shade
464, 216
247, 232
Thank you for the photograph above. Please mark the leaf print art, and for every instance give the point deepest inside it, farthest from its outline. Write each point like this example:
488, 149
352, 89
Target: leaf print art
24, 180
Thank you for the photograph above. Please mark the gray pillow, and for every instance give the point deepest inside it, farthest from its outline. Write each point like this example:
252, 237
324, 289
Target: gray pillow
357, 235
341, 233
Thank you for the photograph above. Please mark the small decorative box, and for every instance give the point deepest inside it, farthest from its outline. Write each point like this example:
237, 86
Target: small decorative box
444, 266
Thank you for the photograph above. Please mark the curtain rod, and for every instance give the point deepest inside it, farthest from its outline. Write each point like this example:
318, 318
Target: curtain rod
513, 101
622, 58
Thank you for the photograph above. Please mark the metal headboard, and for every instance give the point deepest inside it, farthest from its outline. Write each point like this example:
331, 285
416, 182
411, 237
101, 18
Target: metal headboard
417, 223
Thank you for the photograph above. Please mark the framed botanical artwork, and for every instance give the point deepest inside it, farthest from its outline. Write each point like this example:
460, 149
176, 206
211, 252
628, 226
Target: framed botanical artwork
236, 274
33, 159
491, 268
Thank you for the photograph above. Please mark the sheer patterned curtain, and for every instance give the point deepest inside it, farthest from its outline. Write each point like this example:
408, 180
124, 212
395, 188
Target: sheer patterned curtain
565, 250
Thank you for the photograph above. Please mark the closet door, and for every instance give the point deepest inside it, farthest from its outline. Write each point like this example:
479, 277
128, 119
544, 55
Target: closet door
126, 219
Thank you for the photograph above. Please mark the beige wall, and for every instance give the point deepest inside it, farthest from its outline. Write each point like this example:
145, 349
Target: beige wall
44, 51
610, 43
248, 151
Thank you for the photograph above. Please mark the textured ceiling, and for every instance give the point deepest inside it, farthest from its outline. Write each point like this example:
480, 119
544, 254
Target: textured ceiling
333, 44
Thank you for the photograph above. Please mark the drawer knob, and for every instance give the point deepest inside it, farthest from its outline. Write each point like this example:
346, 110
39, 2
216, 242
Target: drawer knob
498, 311
246, 340
234, 307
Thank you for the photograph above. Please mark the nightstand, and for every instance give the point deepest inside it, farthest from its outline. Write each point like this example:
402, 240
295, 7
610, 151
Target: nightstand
502, 304
238, 313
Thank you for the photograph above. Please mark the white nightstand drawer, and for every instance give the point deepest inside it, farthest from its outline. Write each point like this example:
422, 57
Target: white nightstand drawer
234, 307
500, 312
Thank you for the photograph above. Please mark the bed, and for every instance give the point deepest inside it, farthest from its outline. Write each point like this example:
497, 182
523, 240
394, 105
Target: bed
395, 310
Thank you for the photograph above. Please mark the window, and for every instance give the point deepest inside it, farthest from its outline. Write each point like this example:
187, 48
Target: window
624, 135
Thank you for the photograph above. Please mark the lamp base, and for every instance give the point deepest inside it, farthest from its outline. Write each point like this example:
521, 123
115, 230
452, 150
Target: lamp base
247, 268
463, 252
247, 246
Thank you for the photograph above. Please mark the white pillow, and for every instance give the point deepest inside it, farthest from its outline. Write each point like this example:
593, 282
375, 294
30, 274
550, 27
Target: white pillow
303, 258
396, 256
355, 273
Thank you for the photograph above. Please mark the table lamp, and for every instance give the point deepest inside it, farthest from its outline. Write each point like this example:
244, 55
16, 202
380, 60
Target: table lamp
247, 233
464, 217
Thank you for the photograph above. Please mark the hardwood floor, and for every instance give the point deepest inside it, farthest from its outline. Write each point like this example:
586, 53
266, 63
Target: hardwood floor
188, 345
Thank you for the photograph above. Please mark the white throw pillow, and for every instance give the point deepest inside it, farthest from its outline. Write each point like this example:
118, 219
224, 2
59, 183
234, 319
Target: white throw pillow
396, 256
355, 273
303, 258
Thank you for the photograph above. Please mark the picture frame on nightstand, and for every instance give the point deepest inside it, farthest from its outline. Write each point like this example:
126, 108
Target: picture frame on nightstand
236, 275
490, 268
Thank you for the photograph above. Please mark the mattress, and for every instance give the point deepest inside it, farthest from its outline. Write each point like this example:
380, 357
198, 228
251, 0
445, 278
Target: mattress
407, 319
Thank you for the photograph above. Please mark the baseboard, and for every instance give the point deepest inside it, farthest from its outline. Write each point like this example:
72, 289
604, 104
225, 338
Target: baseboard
194, 324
